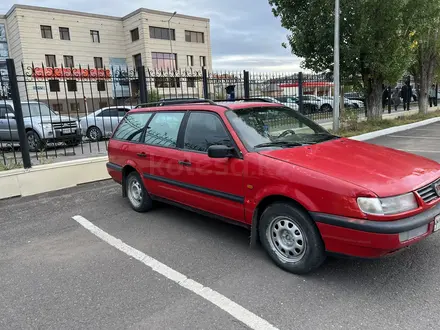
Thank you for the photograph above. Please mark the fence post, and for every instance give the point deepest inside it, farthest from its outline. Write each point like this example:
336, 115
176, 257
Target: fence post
142, 84
300, 92
246, 84
205, 83
18, 112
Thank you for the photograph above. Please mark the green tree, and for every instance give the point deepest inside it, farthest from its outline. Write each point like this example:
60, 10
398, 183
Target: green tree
424, 19
374, 35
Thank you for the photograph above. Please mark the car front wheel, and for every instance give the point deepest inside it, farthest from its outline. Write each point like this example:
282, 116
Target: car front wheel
138, 196
291, 238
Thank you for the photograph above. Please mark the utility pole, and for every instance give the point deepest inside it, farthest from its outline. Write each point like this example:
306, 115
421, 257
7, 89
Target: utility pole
336, 82
172, 54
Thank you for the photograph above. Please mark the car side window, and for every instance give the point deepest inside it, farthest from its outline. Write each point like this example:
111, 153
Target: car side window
121, 112
164, 129
4, 109
204, 130
132, 126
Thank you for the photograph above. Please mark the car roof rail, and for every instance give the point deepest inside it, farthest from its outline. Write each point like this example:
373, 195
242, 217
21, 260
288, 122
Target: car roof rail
252, 99
173, 102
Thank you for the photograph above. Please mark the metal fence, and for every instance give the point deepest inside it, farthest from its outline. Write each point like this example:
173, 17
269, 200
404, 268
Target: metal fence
49, 114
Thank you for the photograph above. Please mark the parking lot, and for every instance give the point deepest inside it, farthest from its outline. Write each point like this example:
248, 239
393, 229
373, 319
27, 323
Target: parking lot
108, 269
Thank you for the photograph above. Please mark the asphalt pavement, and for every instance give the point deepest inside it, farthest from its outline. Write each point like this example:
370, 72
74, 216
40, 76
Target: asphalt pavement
56, 274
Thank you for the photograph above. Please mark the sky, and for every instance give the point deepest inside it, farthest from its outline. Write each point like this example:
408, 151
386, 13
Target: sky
244, 33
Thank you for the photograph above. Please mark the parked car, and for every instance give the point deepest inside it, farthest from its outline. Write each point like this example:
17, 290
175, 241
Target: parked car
355, 96
303, 191
42, 125
101, 123
308, 107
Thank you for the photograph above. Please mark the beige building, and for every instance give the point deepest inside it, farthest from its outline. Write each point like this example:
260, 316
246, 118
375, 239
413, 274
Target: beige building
55, 44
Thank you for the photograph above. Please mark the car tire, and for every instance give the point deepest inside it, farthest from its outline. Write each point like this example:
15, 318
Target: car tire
94, 133
291, 238
34, 141
326, 108
137, 195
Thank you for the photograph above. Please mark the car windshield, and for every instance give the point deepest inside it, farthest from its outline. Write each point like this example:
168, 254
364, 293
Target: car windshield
36, 110
275, 127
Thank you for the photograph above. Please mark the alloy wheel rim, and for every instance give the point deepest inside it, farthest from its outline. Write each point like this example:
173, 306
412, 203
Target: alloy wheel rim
287, 239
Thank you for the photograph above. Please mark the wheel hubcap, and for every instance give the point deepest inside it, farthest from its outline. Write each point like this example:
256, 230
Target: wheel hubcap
135, 193
93, 134
287, 239
32, 141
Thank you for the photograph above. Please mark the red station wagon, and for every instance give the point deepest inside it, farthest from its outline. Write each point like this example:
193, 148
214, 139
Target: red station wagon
302, 191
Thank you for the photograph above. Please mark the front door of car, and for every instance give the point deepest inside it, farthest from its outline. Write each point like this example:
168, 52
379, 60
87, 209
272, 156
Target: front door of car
214, 185
8, 124
162, 170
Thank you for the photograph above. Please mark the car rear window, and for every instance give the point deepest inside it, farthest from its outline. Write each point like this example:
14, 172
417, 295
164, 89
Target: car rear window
131, 127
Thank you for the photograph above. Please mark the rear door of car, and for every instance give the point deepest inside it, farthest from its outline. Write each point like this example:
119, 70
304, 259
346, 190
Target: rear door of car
8, 125
163, 156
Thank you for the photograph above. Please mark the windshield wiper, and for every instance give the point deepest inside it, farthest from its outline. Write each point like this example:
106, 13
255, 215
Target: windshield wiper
279, 143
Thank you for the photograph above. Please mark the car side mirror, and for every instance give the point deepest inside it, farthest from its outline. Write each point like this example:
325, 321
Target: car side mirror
220, 151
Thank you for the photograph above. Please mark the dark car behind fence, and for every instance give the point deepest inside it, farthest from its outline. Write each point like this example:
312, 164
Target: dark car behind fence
48, 113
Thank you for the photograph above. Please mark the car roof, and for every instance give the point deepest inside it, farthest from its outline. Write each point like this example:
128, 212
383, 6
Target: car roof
218, 107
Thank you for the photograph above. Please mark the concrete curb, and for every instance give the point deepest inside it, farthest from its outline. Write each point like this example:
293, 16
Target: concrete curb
50, 177
395, 129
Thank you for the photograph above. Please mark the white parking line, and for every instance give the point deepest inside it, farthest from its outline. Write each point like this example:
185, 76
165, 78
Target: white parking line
240, 313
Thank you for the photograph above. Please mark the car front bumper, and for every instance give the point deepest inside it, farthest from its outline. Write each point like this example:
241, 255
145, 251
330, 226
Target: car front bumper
60, 136
373, 239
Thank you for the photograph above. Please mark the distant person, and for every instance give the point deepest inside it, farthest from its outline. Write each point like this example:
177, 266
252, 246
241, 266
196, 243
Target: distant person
396, 98
406, 95
432, 96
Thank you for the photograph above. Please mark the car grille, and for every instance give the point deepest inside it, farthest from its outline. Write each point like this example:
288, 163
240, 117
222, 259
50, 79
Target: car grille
428, 193
64, 125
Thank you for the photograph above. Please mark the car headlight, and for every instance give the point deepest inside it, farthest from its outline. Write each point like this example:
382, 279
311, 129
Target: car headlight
47, 127
389, 205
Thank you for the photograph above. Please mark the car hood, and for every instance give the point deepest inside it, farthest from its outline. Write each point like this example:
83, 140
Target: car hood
384, 171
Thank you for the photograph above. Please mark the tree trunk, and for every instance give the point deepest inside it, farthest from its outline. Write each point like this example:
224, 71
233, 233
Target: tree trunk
373, 96
425, 78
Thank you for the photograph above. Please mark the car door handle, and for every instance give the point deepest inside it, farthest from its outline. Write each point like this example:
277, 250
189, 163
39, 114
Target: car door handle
142, 154
184, 163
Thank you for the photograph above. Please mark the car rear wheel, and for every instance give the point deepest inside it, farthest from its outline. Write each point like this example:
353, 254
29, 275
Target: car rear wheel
138, 196
291, 238
326, 108
94, 133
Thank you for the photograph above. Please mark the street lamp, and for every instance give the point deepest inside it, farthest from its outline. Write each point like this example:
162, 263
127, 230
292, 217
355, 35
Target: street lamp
336, 82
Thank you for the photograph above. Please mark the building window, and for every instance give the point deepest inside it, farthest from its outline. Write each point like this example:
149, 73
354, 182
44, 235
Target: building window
164, 61
137, 60
192, 36
191, 82
54, 85
71, 86
189, 60
68, 61
95, 36
74, 106
166, 82
64, 33
162, 33
134, 34
51, 61
46, 31
101, 85
98, 62
202, 61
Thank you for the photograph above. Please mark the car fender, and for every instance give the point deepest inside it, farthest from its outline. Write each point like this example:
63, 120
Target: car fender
279, 190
